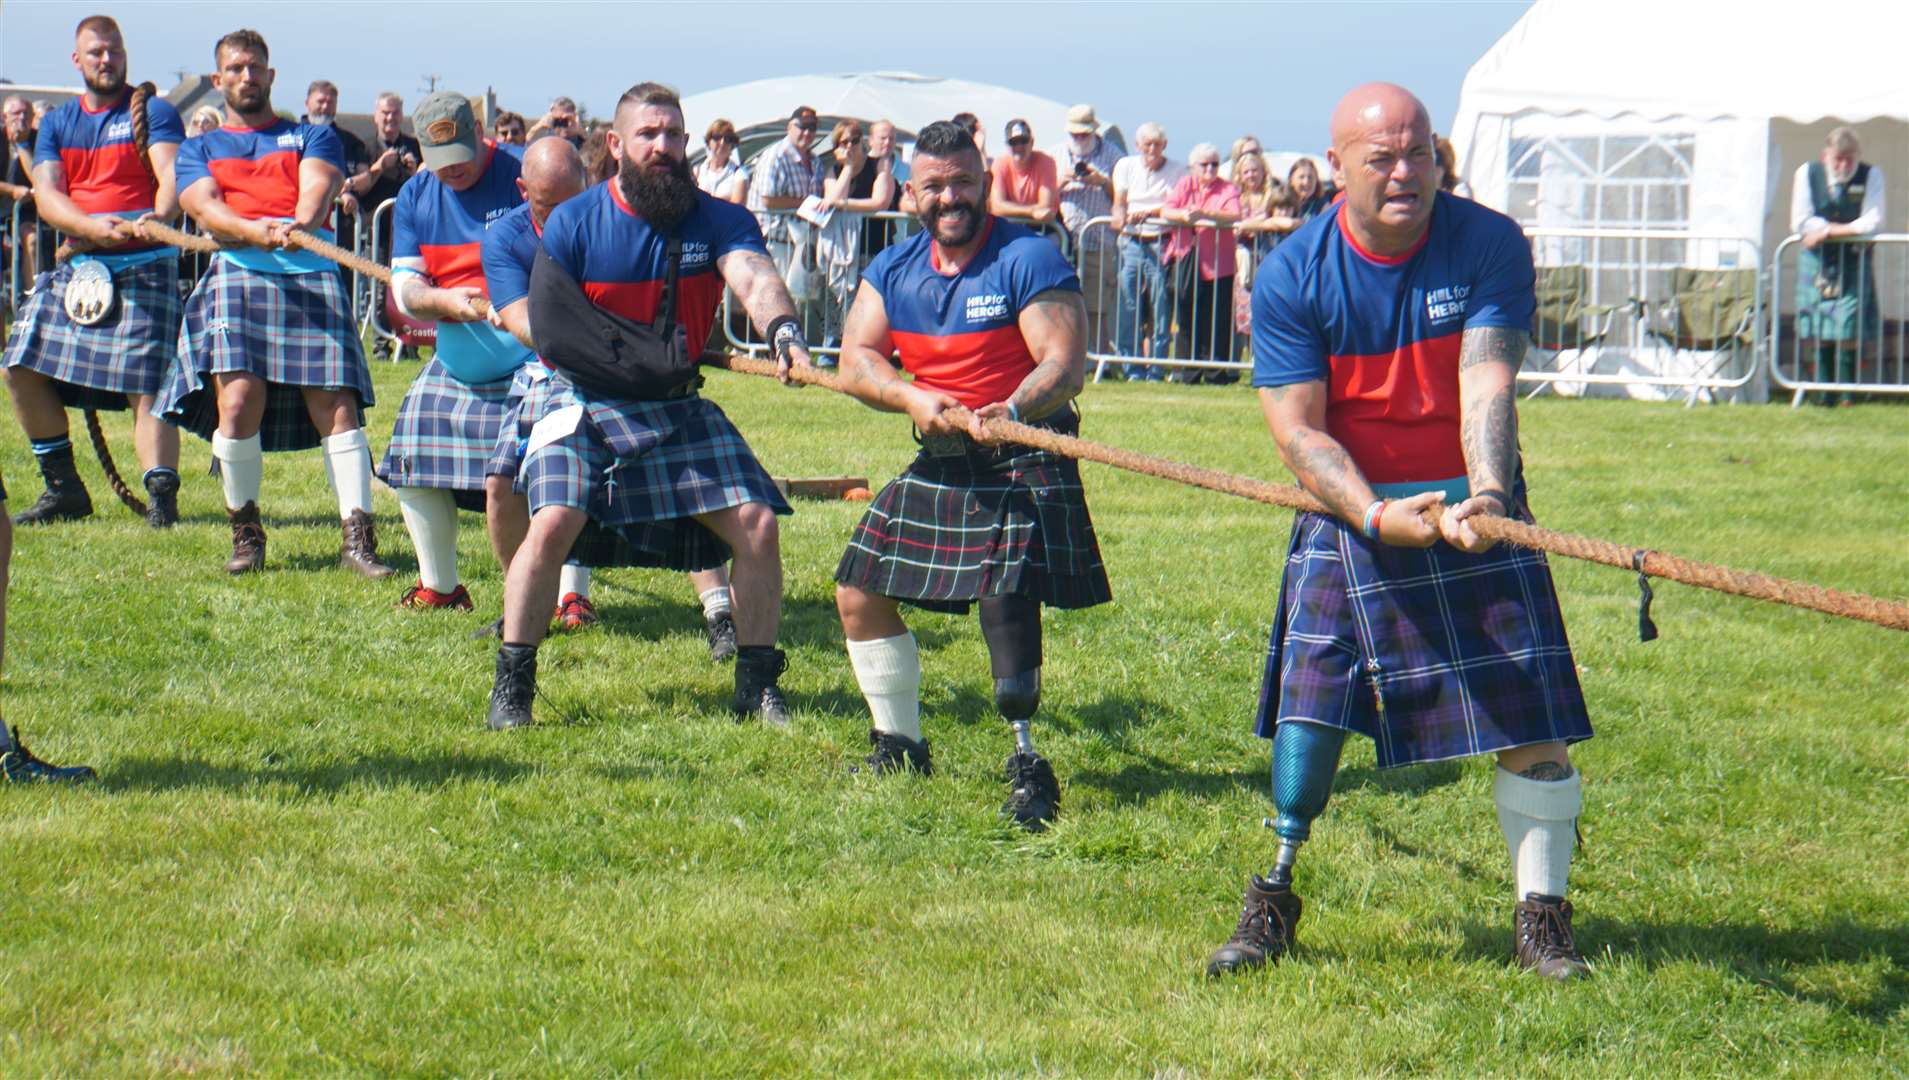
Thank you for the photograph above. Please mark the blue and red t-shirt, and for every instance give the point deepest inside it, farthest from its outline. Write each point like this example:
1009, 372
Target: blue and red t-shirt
620, 260
257, 173
1384, 333
960, 334
441, 233
509, 251
95, 148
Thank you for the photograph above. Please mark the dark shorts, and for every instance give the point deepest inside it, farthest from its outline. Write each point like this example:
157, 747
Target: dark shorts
292, 330
96, 367
641, 470
446, 433
1431, 653
995, 521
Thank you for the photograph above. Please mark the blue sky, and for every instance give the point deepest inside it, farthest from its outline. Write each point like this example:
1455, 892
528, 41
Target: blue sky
1208, 71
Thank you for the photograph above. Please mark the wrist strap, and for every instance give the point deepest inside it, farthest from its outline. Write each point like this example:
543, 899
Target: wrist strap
782, 332
1369, 523
1504, 500
1014, 411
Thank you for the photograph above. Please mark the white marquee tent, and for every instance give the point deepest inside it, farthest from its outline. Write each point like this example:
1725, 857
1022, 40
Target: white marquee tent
1685, 116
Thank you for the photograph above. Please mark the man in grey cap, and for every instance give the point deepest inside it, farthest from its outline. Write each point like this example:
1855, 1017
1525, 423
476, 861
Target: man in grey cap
448, 424
1087, 192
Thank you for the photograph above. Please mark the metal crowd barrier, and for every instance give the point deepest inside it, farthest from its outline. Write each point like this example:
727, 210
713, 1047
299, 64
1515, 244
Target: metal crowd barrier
19, 275
369, 317
1843, 328
822, 268
1657, 312
1147, 317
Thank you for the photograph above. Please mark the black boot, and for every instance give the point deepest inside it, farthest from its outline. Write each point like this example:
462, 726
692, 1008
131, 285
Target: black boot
516, 685
65, 497
162, 509
721, 629
1268, 926
898, 753
1034, 796
19, 766
757, 669
1545, 942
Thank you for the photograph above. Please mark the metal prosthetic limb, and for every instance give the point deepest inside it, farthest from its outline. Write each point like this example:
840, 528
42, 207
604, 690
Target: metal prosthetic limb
1012, 627
1305, 758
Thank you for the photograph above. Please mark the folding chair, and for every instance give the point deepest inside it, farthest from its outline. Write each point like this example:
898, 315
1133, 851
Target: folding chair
1710, 311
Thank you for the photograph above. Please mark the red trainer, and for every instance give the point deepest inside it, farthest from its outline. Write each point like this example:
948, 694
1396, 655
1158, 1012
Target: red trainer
419, 598
575, 612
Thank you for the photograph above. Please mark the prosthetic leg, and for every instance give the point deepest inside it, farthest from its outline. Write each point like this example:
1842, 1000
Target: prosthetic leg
1305, 759
1012, 627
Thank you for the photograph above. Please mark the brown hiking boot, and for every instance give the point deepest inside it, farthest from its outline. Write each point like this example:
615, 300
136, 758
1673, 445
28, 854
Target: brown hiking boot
1268, 927
360, 549
248, 540
1545, 943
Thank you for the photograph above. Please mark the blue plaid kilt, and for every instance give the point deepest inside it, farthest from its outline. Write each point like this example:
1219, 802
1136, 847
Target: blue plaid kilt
292, 330
641, 470
446, 433
993, 521
1431, 653
95, 367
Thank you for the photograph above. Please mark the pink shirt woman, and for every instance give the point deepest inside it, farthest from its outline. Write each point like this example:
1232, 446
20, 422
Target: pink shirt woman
1202, 199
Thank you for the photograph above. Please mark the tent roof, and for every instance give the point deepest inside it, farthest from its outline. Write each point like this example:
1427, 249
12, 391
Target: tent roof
1694, 58
911, 101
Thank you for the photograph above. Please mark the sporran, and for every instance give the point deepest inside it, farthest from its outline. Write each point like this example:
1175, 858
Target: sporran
89, 292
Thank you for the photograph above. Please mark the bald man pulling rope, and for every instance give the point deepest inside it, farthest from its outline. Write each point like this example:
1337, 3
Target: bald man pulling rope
1387, 335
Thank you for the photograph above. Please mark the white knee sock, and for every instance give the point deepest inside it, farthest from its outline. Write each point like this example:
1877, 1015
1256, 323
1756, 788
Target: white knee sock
348, 454
715, 601
241, 468
573, 579
1539, 820
889, 673
431, 517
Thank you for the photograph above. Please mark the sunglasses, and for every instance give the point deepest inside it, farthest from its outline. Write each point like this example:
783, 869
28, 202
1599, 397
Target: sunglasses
1022, 141
805, 127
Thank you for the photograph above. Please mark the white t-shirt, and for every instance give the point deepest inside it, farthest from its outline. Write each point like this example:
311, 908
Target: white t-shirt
1146, 189
722, 183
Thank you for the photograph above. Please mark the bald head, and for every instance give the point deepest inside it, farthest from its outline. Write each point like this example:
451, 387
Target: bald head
553, 172
1378, 107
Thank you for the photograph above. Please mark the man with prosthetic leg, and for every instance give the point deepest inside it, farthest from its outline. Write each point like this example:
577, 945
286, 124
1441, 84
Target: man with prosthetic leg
986, 315
1387, 338
99, 331
269, 357
630, 273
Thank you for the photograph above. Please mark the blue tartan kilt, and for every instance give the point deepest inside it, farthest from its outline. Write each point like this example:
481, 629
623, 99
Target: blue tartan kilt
995, 521
291, 330
641, 470
1431, 653
446, 433
95, 367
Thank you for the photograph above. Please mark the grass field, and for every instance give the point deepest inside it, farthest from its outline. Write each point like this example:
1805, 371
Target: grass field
308, 857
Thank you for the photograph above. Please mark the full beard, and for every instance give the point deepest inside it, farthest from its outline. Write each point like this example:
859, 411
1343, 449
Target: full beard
240, 101
969, 218
664, 199
106, 83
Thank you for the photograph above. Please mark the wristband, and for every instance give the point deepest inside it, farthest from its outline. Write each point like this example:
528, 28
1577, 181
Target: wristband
1369, 524
1014, 411
783, 332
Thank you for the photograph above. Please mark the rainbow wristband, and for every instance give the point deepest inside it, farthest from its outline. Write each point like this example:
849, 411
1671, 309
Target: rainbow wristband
1369, 525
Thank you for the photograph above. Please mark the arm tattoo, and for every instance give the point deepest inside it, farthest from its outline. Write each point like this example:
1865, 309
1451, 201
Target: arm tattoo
1493, 343
759, 285
1324, 468
1060, 372
1490, 437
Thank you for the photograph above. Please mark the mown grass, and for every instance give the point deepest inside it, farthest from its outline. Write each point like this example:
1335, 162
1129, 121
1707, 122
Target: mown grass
308, 857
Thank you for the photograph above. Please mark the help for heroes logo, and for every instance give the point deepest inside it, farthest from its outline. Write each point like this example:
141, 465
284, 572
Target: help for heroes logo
986, 307
1447, 303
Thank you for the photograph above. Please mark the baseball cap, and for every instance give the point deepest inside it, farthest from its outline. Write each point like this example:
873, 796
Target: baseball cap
1018, 129
446, 129
1081, 120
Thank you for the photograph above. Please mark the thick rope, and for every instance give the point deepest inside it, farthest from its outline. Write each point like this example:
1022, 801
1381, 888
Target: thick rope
1654, 563
1870, 609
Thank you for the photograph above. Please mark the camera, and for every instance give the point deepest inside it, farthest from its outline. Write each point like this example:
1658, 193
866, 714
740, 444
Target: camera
1080, 169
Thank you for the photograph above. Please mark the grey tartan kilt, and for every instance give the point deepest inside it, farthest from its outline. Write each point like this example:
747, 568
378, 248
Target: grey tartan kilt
640, 470
96, 367
1009, 521
446, 432
1430, 652
292, 330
